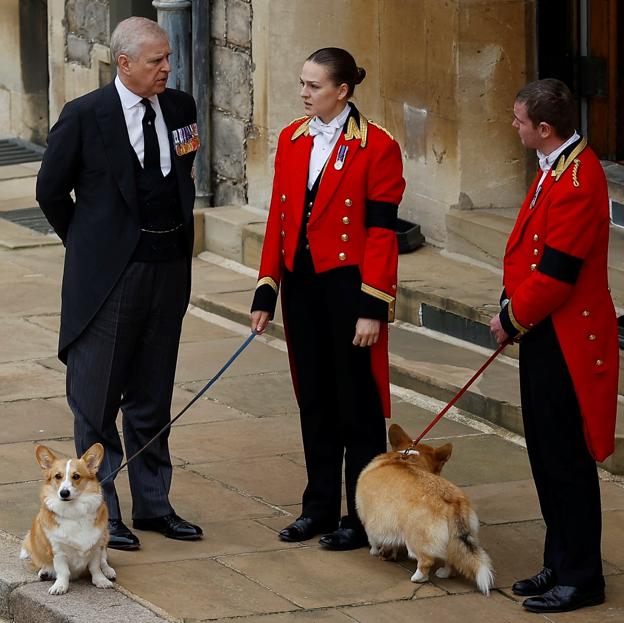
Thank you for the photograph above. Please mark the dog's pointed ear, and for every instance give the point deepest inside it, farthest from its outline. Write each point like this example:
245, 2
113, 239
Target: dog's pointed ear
442, 455
399, 439
45, 457
93, 457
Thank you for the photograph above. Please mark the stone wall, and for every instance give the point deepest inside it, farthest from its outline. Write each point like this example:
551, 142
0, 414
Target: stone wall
441, 77
79, 59
232, 99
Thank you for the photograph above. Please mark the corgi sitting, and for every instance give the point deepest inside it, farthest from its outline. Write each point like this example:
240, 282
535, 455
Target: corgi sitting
402, 500
70, 532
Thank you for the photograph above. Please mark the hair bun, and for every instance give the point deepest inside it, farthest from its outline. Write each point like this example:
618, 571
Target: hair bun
361, 74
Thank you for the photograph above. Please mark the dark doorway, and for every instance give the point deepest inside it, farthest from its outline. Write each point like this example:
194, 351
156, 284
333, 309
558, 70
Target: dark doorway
582, 43
33, 25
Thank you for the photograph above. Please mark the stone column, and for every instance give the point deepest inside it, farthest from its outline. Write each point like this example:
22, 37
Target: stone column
175, 17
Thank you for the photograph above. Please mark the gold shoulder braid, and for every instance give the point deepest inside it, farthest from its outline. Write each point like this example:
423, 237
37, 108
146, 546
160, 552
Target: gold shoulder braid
564, 162
358, 132
302, 129
381, 128
575, 181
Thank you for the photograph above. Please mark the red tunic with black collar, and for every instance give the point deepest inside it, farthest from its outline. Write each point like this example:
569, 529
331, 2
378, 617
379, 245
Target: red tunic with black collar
556, 264
352, 223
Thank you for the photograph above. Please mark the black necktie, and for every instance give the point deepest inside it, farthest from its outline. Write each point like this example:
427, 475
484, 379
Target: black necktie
151, 155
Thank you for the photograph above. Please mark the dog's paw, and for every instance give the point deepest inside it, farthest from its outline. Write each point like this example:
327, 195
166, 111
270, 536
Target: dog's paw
101, 582
389, 553
59, 588
109, 572
444, 572
419, 577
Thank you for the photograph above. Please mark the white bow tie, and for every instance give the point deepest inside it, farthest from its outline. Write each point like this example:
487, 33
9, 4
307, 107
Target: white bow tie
544, 162
316, 126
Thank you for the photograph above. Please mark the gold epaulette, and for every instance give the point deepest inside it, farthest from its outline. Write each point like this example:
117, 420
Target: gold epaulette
302, 129
564, 162
358, 132
381, 128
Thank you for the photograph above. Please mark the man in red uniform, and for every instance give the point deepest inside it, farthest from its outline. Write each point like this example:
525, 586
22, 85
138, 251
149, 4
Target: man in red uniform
556, 302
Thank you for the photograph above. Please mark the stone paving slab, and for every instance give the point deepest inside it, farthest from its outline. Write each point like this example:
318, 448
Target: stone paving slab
26, 380
34, 419
22, 340
276, 480
201, 589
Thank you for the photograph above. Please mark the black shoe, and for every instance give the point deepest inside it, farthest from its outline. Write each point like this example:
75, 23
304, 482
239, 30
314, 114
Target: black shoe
537, 585
304, 528
564, 598
343, 539
172, 526
120, 537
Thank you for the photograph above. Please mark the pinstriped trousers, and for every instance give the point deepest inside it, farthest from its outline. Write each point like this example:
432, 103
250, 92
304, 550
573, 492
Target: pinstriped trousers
126, 359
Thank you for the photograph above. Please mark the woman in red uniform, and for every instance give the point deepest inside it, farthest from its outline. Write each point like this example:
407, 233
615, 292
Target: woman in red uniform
330, 242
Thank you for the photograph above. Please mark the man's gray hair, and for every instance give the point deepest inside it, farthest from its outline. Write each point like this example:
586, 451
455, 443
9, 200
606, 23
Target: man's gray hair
129, 35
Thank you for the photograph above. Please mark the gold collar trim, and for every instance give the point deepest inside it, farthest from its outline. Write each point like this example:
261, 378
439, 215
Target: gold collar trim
360, 133
302, 129
564, 162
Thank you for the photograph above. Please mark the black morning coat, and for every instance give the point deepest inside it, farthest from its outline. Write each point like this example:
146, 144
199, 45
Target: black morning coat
89, 152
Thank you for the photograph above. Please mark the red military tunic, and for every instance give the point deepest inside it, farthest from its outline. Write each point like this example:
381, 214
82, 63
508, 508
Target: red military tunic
352, 222
556, 264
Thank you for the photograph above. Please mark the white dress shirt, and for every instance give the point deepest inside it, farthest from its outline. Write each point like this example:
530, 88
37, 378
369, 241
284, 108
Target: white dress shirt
133, 112
325, 138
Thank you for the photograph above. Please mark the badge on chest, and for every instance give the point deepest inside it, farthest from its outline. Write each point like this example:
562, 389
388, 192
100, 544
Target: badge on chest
186, 139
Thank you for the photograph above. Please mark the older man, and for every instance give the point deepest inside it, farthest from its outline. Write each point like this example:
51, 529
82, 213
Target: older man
126, 150
557, 303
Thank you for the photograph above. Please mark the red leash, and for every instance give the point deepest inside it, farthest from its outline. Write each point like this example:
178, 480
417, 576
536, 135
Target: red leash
460, 393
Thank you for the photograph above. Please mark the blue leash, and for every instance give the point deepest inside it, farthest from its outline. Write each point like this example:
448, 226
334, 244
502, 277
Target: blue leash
197, 396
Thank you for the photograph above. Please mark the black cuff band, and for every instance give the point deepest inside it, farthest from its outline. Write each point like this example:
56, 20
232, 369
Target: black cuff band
506, 323
560, 265
265, 299
381, 214
372, 307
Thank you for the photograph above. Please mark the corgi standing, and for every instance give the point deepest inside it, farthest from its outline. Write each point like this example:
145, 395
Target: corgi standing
70, 532
402, 500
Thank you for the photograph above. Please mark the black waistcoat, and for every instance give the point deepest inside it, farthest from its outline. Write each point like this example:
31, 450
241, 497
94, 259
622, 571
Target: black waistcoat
159, 211
303, 257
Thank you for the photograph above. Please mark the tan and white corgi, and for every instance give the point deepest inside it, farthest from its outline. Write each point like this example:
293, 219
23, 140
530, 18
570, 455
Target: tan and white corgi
403, 501
70, 532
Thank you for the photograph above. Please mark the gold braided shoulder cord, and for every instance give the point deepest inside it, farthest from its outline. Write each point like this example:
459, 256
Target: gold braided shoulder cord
575, 181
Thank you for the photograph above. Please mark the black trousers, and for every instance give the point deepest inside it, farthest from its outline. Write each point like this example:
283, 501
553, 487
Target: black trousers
564, 472
126, 358
340, 409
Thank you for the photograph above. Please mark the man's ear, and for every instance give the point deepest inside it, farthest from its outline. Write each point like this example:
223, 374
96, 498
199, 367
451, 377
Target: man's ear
123, 64
545, 130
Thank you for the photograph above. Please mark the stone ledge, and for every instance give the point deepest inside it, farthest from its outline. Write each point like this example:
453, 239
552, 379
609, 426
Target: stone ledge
24, 599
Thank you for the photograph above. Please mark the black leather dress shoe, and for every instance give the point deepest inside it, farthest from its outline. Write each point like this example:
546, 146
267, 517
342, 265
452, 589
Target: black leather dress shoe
344, 539
564, 598
537, 585
303, 528
172, 526
120, 537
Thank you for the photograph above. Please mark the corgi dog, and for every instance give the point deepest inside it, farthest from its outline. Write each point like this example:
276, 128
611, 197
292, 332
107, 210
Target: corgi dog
70, 532
403, 501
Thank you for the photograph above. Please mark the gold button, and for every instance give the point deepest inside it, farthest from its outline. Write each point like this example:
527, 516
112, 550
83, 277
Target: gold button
282, 216
308, 214
535, 238
342, 256
310, 204
345, 220
585, 313
283, 198
307, 246
598, 362
591, 337
393, 286
283, 234
535, 251
533, 266
283, 252
344, 238
348, 203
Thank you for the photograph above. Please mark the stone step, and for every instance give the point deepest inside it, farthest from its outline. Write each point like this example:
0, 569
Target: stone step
17, 185
439, 290
420, 359
482, 234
